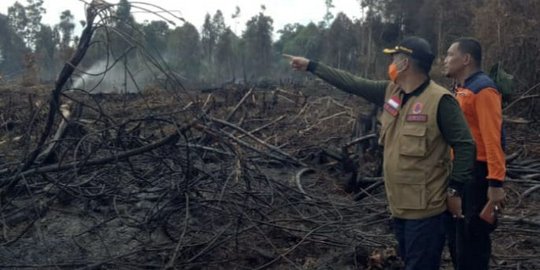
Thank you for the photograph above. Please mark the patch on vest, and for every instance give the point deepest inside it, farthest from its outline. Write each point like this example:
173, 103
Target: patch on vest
416, 118
392, 106
417, 108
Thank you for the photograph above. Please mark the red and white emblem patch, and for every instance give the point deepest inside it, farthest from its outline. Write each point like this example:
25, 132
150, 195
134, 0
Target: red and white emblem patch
392, 106
417, 108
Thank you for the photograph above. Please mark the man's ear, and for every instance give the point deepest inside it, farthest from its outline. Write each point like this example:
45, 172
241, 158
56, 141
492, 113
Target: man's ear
405, 64
467, 59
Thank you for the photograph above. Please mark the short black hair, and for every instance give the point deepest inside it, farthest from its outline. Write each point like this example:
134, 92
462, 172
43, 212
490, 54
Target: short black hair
421, 65
470, 46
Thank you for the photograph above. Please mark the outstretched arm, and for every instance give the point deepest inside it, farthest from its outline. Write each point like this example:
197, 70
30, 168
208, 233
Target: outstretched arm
373, 91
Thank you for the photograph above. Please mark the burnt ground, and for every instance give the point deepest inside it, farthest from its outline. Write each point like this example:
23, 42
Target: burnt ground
148, 181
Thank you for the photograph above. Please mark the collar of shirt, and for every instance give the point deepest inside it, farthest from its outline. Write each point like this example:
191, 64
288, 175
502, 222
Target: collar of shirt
471, 78
419, 90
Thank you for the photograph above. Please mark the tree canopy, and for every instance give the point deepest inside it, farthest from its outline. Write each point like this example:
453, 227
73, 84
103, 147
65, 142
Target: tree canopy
218, 53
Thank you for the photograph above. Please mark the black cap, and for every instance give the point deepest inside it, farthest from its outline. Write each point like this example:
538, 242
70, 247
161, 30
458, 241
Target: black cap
418, 48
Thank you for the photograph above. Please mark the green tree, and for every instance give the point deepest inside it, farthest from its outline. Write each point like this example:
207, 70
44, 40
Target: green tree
12, 46
218, 22
66, 27
208, 37
46, 51
18, 20
124, 36
328, 16
236, 16
287, 34
213, 27
26, 21
120, 35
509, 35
300, 40
155, 35
123, 13
34, 12
184, 52
258, 45
340, 43
227, 55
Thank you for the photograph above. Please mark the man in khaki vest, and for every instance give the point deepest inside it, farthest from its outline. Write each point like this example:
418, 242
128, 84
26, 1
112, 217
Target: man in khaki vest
420, 122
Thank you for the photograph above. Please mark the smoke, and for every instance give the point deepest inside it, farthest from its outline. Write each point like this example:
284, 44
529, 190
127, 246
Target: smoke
101, 77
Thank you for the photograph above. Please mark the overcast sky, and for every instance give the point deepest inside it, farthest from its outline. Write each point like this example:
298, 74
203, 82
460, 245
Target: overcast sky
194, 11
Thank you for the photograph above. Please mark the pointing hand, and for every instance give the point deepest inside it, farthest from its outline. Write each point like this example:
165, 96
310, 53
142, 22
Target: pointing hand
297, 62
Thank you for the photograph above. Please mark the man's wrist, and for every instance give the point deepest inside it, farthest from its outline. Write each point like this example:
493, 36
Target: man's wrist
452, 192
312, 66
495, 183
456, 185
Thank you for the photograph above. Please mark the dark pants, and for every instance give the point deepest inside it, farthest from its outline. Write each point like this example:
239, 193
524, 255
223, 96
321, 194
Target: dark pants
469, 239
421, 241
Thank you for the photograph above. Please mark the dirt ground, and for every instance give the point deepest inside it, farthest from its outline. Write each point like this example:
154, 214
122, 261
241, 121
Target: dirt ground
228, 192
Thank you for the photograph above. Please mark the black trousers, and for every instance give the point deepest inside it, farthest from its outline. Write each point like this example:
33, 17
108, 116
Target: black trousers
421, 241
469, 239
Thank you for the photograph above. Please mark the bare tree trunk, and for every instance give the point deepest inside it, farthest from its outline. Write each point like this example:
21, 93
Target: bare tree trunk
339, 58
368, 63
499, 44
440, 30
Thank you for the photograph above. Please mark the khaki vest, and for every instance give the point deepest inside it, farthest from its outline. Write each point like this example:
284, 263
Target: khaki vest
416, 162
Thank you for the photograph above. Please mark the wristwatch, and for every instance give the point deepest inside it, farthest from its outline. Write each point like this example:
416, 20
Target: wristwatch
452, 192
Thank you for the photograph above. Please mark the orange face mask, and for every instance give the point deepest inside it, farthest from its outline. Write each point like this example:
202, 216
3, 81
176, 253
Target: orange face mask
393, 72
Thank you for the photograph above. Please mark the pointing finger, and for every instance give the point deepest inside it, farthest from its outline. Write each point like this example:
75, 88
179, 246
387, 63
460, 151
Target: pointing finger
288, 56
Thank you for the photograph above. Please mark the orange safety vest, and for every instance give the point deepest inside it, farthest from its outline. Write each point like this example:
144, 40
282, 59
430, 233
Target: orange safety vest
481, 103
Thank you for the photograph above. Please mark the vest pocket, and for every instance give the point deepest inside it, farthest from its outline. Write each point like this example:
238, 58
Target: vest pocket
412, 141
408, 192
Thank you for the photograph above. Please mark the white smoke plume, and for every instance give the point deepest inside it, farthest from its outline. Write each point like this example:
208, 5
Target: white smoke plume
102, 77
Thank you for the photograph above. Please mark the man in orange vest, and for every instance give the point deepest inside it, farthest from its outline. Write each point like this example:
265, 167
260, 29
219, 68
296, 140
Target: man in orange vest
481, 102
420, 122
